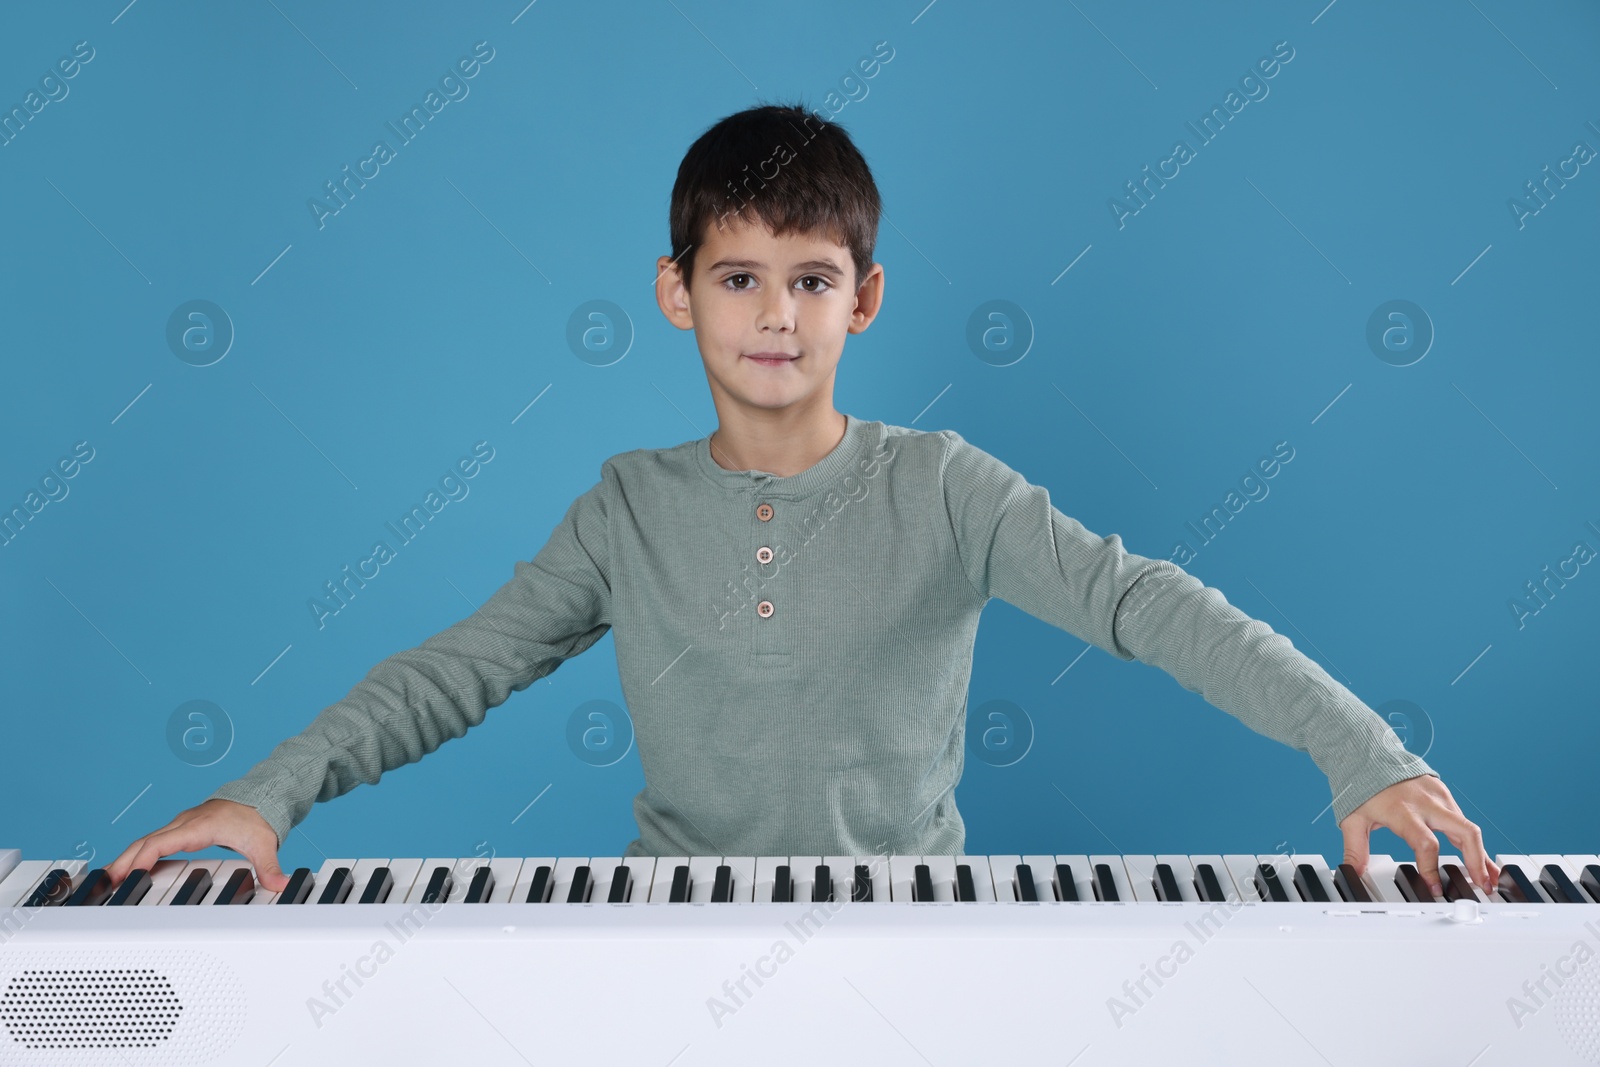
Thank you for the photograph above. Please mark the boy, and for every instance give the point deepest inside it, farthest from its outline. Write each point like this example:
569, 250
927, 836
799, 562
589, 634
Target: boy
794, 598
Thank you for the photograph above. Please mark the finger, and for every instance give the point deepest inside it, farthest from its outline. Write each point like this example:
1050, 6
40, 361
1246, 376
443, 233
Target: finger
269, 875
1357, 842
157, 846
1420, 836
123, 864
1466, 836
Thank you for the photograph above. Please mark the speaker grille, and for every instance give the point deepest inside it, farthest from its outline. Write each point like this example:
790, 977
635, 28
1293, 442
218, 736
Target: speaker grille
116, 1006
90, 1008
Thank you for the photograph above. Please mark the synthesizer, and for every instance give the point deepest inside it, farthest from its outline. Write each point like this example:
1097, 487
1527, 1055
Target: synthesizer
1083, 959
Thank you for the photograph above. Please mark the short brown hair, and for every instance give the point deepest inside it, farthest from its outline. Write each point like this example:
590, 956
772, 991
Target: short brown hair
821, 185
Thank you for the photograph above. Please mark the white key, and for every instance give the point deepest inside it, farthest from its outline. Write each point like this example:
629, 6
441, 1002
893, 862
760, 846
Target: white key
902, 872
601, 872
1578, 863
506, 871
324, 876
743, 870
9, 858
942, 869
643, 868
194, 865
1284, 866
1220, 870
219, 879
702, 876
1183, 874
804, 870
1082, 876
20, 883
982, 880
766, 876
1381, 871
163, 876
661, 884
361, 874
1243, 870
1042, 867
1478, 894
878, 870
420, 885
405, 873
1003, 876
1119, 876
525, 874
566, 867
1141, 875
1319, 868
842, 869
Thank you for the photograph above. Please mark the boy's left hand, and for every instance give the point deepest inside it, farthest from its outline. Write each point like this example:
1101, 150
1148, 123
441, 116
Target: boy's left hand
1414, 809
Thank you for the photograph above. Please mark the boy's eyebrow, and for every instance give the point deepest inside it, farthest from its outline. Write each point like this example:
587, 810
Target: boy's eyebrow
750, 264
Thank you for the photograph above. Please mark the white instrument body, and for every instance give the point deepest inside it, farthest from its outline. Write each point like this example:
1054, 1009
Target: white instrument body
1238, 981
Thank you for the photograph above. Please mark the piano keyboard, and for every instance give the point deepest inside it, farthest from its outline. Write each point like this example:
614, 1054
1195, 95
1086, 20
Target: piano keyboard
1086, 959
1543, 879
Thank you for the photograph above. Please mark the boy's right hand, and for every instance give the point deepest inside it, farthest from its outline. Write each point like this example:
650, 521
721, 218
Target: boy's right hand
215, 822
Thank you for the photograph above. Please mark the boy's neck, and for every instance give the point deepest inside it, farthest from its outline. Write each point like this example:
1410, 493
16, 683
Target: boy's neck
780, 443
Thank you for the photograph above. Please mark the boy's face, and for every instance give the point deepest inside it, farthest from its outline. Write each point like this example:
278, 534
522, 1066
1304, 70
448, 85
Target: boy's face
755, 293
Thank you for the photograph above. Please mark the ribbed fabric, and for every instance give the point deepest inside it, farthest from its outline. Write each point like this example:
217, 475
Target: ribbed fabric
834, 725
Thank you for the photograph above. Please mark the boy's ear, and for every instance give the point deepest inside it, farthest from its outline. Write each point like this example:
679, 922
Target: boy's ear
671, 295
869, 300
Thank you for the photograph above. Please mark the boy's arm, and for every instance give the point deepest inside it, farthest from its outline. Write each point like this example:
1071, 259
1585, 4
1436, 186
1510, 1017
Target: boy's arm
552, 609
1016, 546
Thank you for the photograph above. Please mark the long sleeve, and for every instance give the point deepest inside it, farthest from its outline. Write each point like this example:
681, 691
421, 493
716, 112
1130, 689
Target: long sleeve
555, 606
1014, 545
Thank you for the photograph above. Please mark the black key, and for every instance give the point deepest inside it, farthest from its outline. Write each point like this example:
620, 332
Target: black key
965, 890
581, 887
621, 885
1558, 885
1350, 885
822, 884
922, 883
863, 888
1027, 892
337, 891
1413, 886
298, 891
1207, 886
55, 889
440, 883
1309, 883
1105, 886
538, 889
480, 887
1457, 886
722, 885
132, 890
1166, 883
1516, 888
379, 886
93, 892
1269, 885
1066, 886
680, 885
1591, 881
782, 885
238, 889
194, 888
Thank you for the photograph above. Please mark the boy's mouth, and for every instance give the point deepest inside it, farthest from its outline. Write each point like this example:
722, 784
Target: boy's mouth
770, 359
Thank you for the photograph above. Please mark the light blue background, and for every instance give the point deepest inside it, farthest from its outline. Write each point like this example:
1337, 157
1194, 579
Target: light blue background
1229, 314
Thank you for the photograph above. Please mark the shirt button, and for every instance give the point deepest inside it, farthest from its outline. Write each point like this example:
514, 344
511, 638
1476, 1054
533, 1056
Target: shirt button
763, 554
764, 609
764, 512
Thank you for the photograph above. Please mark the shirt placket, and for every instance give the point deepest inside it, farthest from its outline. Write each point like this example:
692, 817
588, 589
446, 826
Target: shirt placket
770, 627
